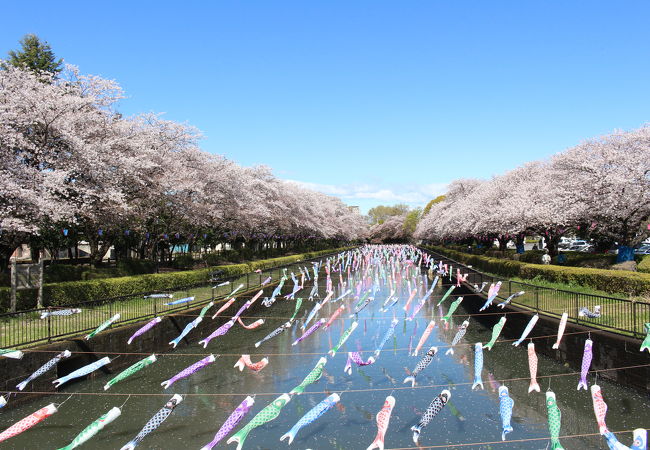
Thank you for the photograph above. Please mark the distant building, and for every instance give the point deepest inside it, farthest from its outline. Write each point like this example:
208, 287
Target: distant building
354, 209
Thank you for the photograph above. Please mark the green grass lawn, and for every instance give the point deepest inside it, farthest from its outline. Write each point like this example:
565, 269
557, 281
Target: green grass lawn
552, 298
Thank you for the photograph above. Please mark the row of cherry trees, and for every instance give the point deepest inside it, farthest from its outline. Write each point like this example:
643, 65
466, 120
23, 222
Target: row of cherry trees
72, 167
390, 230
598, 189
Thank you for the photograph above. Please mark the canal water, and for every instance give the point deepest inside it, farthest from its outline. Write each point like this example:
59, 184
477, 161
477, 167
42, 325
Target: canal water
470, 420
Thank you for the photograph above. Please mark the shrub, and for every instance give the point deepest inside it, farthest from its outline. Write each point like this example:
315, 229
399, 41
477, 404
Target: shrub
71, 292
25, 299
644, 264
183, 262
604, 280
531, 256
231, 255
57, 273
60, 273
136, 266
584, 259
213, 259
509, 254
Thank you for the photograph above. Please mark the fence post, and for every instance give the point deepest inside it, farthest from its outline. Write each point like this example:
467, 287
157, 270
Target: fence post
14, 282
49, 326
41, 267
577, 316
634, 327
537, 300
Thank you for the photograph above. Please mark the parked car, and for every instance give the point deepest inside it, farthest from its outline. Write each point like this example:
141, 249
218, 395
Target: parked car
581, 248
643, 250
577, 245
580, 245
565, 243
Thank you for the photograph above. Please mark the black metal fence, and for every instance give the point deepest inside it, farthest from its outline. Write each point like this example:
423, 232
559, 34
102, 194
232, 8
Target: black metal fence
27, 328
620, 315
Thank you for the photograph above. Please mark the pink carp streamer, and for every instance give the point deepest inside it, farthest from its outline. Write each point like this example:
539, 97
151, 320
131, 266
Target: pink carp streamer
560, 330
28, 422
224, 307
252, 326
424, 337
245, 361
460, 278
327, 297
408, 302
383, 418
532, 367
189, 371
337, 313
600, 408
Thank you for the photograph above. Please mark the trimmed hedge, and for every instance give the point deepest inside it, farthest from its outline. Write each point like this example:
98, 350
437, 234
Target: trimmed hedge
60, 273
612, 281
67, 293
644, 264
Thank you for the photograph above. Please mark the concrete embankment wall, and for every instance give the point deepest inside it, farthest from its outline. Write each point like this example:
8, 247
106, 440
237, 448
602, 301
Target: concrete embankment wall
610, 350
111, 343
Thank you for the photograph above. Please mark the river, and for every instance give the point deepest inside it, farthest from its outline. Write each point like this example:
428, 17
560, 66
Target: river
472, 416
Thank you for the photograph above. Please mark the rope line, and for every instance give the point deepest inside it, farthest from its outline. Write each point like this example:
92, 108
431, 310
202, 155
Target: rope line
498, 313
391, 388
464, 344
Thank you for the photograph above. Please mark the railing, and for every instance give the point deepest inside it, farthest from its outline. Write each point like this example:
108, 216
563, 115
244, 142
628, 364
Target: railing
26, 328
617, 314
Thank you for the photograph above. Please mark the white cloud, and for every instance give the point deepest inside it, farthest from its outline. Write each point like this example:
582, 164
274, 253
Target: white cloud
413, 194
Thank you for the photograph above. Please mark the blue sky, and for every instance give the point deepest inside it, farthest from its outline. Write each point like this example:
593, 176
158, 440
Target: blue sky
377, 102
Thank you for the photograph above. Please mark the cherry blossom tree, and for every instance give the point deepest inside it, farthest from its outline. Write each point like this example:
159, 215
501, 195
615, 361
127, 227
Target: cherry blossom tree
600, 187
390, 230
73, 166
609, 178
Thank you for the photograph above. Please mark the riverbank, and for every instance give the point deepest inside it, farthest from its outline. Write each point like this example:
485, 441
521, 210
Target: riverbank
619, 315
26, 328
611, 282
73, 292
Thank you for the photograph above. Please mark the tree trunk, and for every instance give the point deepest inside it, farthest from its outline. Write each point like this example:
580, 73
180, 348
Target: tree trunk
552, 240
97, 250
93, 245
521, 243
624, 254
4, 260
